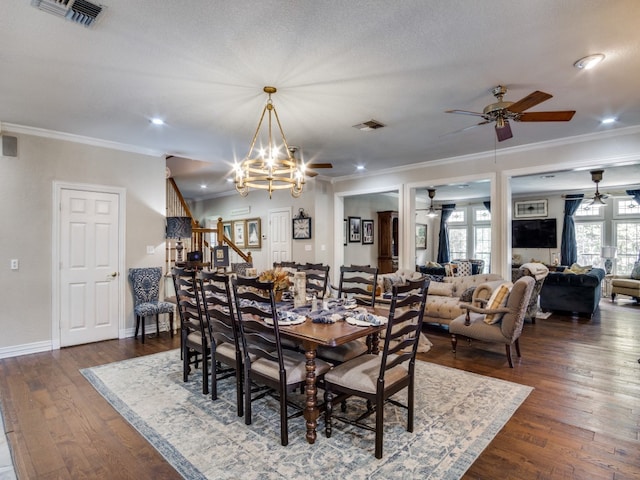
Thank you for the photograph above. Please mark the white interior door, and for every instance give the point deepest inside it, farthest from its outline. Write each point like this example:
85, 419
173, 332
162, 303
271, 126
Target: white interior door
89, 259
279, 235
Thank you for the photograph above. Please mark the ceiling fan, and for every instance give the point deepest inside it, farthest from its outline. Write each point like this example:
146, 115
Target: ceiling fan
308, 166
431, 211
501, 112
598, 198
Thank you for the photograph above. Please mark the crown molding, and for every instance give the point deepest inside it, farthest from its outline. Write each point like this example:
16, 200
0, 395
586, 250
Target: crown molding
489, 154
68, 137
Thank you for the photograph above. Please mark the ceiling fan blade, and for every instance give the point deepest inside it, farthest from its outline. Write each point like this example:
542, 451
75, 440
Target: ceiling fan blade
504, 133
558, 116
465, 112
465, 128
318, 165
529, 101
307, 173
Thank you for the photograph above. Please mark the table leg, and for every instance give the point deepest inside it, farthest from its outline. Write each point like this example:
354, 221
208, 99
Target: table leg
375, 343
311, 411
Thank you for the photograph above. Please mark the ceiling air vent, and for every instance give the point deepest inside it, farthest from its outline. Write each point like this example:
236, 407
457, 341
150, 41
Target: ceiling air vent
370, 125
78, 11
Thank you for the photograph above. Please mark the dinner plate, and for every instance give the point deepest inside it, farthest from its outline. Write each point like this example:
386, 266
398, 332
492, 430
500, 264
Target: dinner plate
360, 322
289, 318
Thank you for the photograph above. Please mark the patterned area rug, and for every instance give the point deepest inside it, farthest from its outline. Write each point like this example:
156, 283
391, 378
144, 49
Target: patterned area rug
457, 414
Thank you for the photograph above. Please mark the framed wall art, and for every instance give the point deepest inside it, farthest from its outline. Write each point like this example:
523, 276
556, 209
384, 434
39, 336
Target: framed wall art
254, 233
367, 232
421, 235
355, 230
530, 208
344, 232
239, 233
228, 232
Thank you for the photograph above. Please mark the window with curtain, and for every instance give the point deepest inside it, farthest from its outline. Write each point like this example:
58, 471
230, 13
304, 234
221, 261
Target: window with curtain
589, 240
627, 239
457, 242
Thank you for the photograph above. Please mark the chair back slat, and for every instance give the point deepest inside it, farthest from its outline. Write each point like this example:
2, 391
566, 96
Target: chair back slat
255, 304
217, 306
317, 278
359, 282
404, 326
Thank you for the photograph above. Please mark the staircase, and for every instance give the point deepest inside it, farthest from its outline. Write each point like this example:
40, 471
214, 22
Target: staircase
202, 239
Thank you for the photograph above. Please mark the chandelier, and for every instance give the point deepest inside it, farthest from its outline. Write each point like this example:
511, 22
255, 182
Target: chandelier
273, 166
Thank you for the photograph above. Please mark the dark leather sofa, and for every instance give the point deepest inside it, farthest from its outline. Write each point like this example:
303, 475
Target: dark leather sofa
577, 293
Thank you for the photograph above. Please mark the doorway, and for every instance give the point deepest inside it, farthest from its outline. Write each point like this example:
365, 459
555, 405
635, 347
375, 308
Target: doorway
88, 264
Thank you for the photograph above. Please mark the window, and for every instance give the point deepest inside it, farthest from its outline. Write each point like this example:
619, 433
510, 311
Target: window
458, 216
457, 242
589, 237
481, 215
625, 207
482, 244
586, 211
627, 239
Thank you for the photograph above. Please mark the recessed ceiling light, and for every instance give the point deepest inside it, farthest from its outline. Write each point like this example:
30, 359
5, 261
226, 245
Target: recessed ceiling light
608, 120
157, 121
360, 167
588, 62
547, 176
463, 185
369, 125
203, 186
229, 180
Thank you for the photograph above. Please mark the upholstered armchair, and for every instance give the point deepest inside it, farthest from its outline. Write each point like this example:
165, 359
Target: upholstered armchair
539, 272
508, 324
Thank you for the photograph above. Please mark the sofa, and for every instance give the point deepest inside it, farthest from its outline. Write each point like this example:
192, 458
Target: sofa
571, 292
625, 285
444, 297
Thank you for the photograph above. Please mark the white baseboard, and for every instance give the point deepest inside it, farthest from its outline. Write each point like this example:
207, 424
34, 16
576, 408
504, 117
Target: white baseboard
26, 349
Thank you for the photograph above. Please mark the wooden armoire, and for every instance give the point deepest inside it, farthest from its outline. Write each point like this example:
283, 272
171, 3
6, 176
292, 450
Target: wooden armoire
387, 241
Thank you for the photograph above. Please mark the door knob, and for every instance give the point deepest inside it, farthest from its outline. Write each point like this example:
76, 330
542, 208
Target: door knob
114, 275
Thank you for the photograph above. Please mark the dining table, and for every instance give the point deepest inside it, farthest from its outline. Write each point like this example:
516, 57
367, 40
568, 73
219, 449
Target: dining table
310, 335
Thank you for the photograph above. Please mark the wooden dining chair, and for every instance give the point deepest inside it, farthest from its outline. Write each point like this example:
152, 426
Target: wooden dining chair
359, 282
224, 337
377, 377
193, 330
317, 278
265, 361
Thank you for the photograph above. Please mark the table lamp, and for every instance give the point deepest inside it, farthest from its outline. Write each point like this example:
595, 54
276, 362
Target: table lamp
178, 227
608, 253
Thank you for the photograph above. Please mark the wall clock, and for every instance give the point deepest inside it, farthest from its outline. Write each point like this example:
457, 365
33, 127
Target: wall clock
302, 228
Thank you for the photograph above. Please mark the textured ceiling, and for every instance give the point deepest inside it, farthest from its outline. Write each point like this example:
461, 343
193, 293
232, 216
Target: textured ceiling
201, 65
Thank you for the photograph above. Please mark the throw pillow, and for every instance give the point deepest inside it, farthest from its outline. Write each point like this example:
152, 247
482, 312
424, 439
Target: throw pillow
578, 269
635, 273
442, 289
467, 295
450, 269
464, 269
498, 299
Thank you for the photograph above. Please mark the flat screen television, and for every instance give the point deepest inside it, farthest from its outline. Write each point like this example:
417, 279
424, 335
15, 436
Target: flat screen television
534, 233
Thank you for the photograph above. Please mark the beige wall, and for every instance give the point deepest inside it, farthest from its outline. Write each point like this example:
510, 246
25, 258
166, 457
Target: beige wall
26, 197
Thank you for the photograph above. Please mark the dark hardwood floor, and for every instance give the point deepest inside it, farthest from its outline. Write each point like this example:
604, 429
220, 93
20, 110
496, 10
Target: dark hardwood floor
582, 421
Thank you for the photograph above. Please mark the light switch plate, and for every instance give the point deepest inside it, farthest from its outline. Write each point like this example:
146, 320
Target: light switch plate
15, 264
151, 249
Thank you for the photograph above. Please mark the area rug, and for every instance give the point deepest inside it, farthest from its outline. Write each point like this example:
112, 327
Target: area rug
457, 414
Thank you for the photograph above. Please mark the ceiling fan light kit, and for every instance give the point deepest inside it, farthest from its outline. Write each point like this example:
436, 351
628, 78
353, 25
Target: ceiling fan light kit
502, 111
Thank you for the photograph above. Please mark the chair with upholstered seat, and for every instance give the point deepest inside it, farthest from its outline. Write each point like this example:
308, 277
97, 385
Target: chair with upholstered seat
265, 362
224, 338
509, 319
377, 377
145, 285
193, 329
